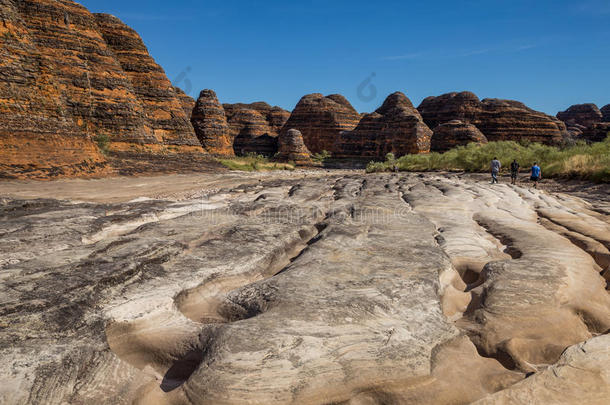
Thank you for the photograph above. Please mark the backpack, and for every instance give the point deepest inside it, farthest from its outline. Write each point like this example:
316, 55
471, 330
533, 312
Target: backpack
514, 166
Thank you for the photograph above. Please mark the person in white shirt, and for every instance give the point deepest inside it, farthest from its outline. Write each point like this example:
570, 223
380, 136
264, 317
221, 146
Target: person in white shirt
495, 169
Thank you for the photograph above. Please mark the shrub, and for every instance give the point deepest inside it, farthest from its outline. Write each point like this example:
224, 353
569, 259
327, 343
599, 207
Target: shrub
374, 167
322, 156
103, 142
579, 160
253, 162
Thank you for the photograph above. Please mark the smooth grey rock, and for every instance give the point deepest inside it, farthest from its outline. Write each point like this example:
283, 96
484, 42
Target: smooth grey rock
346, 288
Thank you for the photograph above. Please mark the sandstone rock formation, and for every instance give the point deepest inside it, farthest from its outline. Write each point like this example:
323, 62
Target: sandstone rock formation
163, 112
455, 133
605, 110
275, 117
597, 132
576, 130
498, 120
336, 288
601, 131
251, 132
237, 128
264, 145
321, 119
254, 127
188, 102
210, 123
505, 120
395, 127
587, 122
69, 77
463, 106
585, 115
292, 148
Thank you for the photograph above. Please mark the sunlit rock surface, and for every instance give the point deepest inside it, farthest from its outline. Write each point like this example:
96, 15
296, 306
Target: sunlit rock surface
306, 288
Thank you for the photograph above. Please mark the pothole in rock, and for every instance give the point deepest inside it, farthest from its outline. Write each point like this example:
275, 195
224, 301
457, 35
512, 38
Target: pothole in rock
181, 370
471, 274
500, 355
210, 302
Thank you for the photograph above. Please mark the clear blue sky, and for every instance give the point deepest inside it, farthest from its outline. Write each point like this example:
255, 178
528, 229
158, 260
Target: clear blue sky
548, 54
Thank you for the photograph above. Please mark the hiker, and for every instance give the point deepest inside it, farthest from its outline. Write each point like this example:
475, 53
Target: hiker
514, 171
536, 174
495, 169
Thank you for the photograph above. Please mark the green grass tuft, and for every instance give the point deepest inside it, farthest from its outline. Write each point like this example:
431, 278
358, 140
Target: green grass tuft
254, 163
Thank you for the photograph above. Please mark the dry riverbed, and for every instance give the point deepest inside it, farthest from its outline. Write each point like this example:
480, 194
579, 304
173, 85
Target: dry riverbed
305, 287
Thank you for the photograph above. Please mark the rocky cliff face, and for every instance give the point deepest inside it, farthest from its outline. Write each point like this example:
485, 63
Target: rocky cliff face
321, 119
498, 120
395, 127
187, 102
455, 133
69, 77
585, 115
211, 125
163, 114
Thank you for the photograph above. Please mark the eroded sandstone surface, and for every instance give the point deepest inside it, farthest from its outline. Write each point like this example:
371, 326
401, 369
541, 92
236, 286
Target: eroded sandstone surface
310, 288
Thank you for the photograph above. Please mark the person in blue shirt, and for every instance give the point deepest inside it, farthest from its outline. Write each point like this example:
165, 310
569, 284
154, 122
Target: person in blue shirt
536, 174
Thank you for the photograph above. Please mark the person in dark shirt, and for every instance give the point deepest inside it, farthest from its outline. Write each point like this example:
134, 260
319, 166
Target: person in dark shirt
536, 174
514, 171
